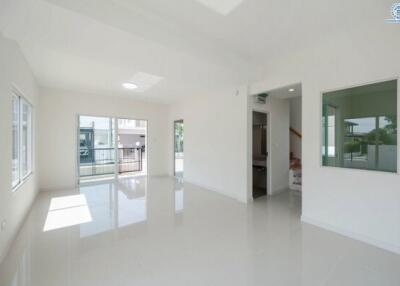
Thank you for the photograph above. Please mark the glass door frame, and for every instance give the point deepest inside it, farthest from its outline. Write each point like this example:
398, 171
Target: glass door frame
116, 150
174, 153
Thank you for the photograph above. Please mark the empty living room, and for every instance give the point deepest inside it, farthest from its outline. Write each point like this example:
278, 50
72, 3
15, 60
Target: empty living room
199, 142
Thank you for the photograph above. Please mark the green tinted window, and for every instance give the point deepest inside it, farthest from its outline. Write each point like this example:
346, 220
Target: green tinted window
359, 127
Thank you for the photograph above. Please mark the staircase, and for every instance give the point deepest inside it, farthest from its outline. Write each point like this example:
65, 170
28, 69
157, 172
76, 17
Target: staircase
295, 166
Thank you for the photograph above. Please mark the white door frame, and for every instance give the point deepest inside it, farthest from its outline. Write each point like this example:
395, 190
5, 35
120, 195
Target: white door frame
173, 147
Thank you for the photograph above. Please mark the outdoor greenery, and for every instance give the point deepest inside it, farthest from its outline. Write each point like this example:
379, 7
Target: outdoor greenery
379, 136
179, 137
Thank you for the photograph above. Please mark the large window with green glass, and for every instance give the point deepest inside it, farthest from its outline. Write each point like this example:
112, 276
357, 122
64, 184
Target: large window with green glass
359, 127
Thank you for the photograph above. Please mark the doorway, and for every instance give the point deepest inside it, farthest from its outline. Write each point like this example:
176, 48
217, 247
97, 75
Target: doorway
109, 147
178, 148
260, 154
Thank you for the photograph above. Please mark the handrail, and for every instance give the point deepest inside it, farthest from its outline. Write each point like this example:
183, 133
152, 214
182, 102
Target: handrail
112, 148
295, 132
128, 159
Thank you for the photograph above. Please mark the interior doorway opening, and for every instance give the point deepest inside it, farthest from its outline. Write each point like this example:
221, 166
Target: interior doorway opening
109, 147
178, 148
260, 154
280, 111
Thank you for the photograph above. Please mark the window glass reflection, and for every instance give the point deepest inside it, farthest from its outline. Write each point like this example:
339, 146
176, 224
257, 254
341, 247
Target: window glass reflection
360, 127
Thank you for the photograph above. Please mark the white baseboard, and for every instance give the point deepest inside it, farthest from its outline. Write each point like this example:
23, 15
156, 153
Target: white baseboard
378, 243
221, 192
278, 191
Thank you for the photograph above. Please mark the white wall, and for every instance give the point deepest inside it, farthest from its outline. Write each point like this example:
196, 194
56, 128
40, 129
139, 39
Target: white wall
361, 204
14, 206
215, 144
295, 123
280, 145
218, 141
58, 132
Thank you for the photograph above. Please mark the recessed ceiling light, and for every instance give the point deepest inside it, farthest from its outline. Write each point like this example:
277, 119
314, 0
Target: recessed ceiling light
141, 82
129, 85
291, 89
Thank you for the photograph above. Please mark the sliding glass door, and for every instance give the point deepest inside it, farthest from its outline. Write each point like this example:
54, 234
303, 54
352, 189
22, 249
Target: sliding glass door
96, 147
132, 147
178, 148
108, 147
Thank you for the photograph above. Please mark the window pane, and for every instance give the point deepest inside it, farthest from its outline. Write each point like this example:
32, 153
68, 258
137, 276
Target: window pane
329, 138
26, 138
360, 127
15, 141
96, 147
179, 146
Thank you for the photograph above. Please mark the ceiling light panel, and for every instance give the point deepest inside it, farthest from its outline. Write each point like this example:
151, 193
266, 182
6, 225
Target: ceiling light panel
129, 85
144, 81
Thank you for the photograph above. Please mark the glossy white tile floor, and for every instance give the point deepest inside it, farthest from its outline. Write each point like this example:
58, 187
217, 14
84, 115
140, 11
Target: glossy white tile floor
157, 231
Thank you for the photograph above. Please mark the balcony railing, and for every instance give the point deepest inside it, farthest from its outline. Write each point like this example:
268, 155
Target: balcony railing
101, 161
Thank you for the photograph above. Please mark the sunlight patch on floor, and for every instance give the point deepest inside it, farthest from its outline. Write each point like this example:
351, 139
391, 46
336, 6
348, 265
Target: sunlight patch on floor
67, 211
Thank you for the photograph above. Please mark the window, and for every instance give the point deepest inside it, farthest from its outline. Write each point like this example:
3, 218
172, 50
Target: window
26, 138
360, 127
21, 140
15, 138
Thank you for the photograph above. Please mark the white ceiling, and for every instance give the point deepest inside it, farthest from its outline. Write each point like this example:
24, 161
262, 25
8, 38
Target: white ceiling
290, 91
190, 45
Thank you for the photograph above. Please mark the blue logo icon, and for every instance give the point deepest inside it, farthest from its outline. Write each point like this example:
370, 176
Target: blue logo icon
395, 12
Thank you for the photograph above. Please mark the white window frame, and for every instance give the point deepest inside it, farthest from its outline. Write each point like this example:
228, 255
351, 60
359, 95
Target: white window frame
22, 178
15, 143
321, 163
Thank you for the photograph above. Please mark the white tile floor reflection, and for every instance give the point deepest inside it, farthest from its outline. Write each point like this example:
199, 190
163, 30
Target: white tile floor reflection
158, 231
